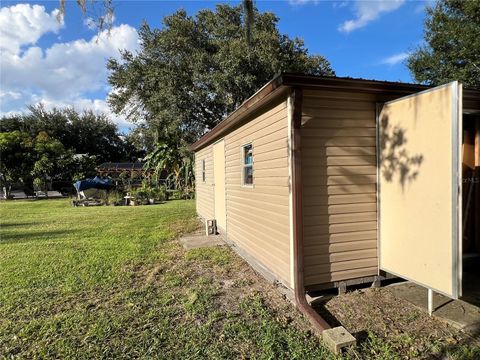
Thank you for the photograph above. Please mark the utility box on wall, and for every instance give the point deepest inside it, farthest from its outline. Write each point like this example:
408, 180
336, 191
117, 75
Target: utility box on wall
211, 227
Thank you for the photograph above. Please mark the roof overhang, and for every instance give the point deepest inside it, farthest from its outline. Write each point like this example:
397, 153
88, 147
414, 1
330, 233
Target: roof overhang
282, 83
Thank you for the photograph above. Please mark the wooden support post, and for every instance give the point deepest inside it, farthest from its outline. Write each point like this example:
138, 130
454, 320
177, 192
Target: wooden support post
430, 302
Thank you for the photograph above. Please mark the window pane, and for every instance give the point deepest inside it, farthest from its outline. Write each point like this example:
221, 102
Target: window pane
248, 175
248, 154
248, 164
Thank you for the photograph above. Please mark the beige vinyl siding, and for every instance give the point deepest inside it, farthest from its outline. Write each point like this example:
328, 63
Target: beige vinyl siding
339, 186
204, 190
258, 215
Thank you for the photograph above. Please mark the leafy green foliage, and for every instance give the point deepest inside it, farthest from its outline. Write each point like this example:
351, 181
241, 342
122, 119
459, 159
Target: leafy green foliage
452, 49
157, 193
177, 163
16, 149
115, 198
59, 145
51, 156
191, 73
84, 133
35, 160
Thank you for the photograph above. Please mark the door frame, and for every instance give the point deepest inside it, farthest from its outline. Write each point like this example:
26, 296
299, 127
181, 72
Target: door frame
456, 191
215, 184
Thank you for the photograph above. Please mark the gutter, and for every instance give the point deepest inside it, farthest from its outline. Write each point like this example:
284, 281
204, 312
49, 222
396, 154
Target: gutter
315, 319
284, 81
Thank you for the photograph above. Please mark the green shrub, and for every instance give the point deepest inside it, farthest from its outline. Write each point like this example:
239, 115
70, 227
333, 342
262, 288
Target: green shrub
176, 194
159, 193
141, 196
115, 198
183, 194
151, 194
155, 193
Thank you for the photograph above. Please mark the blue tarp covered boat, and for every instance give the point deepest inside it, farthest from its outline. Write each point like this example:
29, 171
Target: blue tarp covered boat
95, 183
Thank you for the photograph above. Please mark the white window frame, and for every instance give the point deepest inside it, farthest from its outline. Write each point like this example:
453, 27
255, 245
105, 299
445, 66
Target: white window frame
244, 166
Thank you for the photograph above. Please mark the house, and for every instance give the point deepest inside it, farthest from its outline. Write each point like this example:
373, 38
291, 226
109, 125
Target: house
322, 182
134, 171
116, 169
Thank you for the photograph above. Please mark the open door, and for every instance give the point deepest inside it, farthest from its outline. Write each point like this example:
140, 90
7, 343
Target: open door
419, 188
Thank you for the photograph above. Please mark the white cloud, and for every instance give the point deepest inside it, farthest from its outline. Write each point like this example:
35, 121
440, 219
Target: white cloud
66, 69
98, 106
339, 4
93, 24
302, 2
24, 24
19, 101
10, 95
66, 73
394, 59
90, 23
420, 8
367, 11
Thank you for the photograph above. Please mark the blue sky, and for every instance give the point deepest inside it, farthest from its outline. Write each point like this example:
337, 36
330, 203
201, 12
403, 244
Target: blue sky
62, 63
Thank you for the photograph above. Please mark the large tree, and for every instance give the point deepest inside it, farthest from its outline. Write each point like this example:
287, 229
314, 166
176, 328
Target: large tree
452, 49
188, 75
50, 156
16, 158
42, 146
36, 160
83, 133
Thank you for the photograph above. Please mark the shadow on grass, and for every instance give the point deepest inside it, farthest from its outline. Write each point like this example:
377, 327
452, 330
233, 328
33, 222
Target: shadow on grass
25, 237
11, 225
319, 307
468, 348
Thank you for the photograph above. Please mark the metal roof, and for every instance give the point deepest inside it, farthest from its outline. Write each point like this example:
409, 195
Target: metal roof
281, 83
120, 166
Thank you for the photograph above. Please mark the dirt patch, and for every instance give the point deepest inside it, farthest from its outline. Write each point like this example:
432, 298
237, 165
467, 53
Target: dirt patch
153, 273
408, 331
185, 226
384, 325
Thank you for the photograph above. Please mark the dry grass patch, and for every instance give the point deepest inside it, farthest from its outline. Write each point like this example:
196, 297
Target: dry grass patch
113, 282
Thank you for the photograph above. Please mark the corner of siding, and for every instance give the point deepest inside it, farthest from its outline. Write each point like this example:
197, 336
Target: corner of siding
290, 187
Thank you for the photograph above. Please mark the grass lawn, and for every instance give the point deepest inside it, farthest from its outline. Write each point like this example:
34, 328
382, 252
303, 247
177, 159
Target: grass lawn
112, 282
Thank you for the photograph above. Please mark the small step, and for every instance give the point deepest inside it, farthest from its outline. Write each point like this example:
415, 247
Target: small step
195, 241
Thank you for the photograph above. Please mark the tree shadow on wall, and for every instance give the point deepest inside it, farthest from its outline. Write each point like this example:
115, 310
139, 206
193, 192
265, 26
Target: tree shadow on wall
395, 159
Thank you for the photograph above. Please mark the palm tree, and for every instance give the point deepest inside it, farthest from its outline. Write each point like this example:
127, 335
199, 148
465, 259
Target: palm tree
249, 10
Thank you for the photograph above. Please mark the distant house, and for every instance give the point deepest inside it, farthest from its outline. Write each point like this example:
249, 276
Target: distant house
323, 182
132, 169
113, 170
